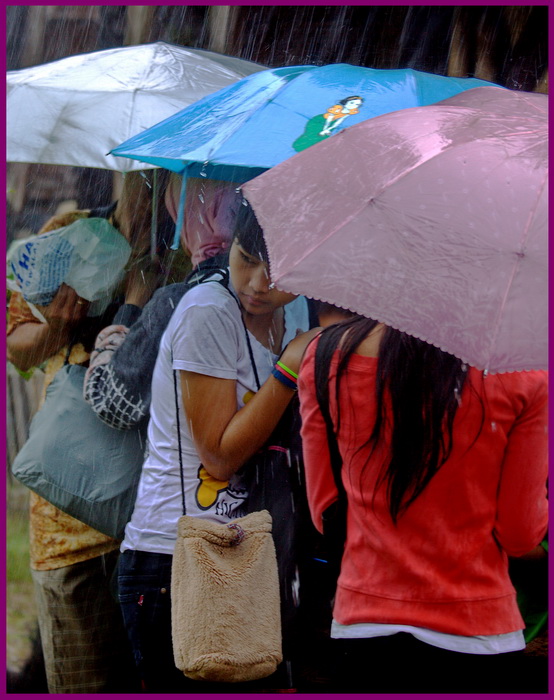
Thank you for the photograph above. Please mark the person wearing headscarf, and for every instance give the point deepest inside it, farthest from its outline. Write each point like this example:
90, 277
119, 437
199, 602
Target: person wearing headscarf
117, 383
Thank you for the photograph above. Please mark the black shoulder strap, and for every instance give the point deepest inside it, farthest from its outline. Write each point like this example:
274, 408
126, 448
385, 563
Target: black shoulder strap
179, 441
205, 271
313, 319
224, 281
322, 395
209, 270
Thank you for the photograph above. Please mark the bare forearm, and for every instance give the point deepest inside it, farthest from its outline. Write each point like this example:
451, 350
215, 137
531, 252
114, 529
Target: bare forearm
31, 343
248, 430
224, 437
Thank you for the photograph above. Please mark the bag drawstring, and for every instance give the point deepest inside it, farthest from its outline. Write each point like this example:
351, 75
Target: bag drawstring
200, 277
239, 532
250, 352
224, 282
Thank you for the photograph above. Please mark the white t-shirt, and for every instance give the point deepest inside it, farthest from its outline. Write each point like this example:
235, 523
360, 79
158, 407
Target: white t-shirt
205, 335
479, 644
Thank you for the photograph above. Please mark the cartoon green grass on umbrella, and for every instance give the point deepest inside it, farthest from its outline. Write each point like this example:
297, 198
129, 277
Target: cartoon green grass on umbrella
322, 125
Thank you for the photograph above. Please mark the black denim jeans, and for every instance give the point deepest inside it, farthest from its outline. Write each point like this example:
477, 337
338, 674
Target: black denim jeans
402, 664
144, 581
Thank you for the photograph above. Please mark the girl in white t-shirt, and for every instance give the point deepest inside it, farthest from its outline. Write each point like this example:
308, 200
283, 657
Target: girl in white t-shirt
224, 420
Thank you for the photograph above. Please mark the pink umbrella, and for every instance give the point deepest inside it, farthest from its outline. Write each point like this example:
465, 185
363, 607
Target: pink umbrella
432, 220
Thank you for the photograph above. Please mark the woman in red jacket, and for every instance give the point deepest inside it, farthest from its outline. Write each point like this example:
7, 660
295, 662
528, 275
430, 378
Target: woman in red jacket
445, 470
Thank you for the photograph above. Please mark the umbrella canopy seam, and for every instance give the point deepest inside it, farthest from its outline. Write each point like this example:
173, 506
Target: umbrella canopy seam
517, 262
246, 131
354, 213
431, 221
72, 111
214, 108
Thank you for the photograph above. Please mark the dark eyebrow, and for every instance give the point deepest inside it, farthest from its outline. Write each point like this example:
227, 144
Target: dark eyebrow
249, 255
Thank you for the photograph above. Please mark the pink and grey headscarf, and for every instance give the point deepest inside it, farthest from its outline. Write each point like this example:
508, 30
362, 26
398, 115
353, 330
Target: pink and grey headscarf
210, 209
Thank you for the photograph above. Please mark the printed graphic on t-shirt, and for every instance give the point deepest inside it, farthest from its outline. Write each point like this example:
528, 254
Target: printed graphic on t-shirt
247, 396
223, 497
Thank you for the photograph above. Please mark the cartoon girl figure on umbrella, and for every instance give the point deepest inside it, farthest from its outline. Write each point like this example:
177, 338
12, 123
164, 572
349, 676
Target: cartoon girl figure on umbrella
321, 126
336, 114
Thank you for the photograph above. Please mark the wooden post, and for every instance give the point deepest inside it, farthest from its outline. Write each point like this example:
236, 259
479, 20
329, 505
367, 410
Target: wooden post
139, 24
542, 83
23, 399
34, 35
222, 19
17, 180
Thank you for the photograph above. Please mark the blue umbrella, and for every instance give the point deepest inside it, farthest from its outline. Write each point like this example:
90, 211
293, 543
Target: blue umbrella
260, 121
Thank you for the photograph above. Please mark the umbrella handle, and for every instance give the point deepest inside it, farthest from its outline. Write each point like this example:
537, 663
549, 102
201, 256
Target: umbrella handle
181, 211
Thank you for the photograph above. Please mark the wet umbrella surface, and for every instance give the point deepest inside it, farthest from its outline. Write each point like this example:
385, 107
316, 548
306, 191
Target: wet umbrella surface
72, 111
436, 226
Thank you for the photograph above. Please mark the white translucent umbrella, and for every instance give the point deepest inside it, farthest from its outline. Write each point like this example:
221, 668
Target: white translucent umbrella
75, 110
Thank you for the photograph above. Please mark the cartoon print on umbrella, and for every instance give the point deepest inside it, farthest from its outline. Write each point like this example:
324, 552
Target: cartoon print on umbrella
224, 135
319, 127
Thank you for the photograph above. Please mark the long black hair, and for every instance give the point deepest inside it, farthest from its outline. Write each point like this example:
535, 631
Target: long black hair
351, 97
424, 385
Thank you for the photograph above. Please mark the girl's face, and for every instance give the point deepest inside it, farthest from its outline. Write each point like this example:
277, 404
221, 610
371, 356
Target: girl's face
250, 278
353, 104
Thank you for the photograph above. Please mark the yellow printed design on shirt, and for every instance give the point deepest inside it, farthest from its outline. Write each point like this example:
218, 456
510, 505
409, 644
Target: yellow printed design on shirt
247, 396
208, 489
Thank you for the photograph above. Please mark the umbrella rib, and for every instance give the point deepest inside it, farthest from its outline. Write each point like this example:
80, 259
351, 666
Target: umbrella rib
248, 112
252, 112
523, 97
384, 187
343, 223
353, 214
365, 204
517, 263
407, 171
53, 130
205, 113
131, 111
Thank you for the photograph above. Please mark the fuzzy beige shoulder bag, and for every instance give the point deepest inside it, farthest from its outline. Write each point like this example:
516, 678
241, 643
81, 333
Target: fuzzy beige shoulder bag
225, 605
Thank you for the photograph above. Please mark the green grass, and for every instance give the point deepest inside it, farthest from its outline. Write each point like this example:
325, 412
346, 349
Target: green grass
21, 615
17, 545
